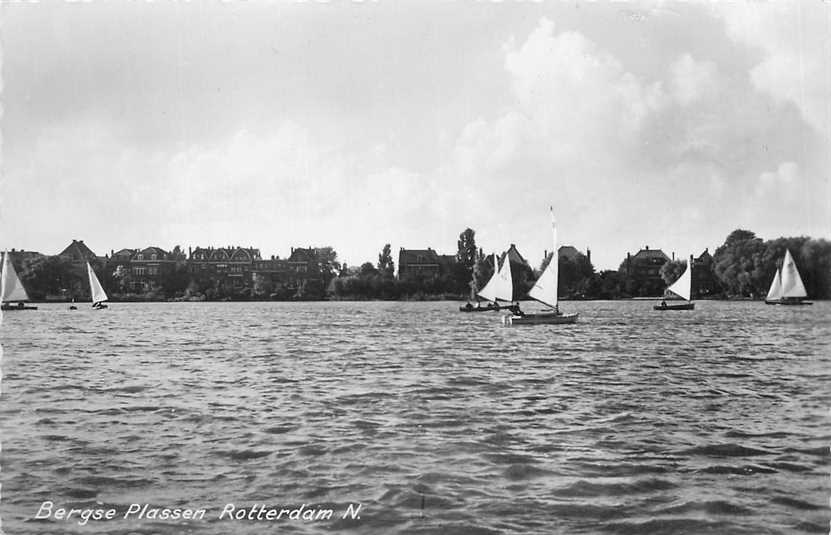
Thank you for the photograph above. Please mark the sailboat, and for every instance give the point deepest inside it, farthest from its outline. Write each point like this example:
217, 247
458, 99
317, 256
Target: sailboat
500, 287
11, 289
787, 287
475, 294
681, 288
545, 291
99, 296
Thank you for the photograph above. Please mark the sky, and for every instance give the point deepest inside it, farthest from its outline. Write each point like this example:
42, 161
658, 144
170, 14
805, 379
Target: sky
356, 124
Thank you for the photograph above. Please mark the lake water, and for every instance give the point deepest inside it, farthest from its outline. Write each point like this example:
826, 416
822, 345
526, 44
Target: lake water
430, 420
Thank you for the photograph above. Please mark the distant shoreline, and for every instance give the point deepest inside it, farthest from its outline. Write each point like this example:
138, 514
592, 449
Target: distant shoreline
337, 300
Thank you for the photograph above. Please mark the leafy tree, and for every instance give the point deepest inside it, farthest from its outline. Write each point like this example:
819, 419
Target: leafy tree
574, 275
385, 264
671, 270
44, 276
175, 281
607, 284
368, 270
739, 264
482, 271
467, 253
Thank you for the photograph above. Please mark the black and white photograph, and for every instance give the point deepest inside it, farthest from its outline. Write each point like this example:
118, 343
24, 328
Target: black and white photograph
471, 267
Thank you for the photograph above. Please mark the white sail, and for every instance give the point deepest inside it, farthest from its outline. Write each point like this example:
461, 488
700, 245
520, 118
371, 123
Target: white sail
98, 293
11, 288
683, 286
791, 281
545, 289
775, 291
500, 285
488, 291
506, 287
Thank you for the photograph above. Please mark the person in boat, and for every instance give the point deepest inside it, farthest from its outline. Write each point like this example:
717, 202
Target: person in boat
663, 303
516, 310
20, 304
468, 306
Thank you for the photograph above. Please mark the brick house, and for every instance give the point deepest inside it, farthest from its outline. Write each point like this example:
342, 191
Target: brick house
416, 264
643, 272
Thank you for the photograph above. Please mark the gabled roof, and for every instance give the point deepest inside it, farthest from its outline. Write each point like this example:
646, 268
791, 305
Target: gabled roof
77, 250
515, 256
301, 254
569, 251
124, 253
158, 251
225, 253
649, 254
417, 256
705, 256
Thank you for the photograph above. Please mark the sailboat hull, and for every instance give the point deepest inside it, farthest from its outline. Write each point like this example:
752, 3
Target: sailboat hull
679, 306
15, 307
544, 318
787, 302
471, 308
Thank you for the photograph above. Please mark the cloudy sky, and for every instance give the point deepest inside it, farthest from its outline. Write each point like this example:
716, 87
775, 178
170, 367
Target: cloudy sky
349, 124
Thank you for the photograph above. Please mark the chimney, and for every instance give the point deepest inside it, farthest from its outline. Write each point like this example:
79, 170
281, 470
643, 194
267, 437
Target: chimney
589, 255
691, 260
673, 256
646, 247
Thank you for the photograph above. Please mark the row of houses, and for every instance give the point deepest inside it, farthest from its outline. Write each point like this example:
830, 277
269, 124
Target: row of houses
426, 263
140, 269
237, 267
643, 269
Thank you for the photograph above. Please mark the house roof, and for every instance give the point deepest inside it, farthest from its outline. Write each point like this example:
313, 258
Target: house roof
705, 256
77, 250
124, 253
648, 254
225, 253
300, 254
417, 256
569, 251
515, 256
161, 253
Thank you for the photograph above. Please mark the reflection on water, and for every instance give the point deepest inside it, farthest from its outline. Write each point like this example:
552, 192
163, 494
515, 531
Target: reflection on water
631, 421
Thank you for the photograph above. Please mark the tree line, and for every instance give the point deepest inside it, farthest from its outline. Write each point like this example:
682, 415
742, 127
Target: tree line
742, 267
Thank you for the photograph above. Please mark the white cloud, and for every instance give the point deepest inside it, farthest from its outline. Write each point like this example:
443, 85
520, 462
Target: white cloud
619, 154
576, 93
795, 38
784, 184
631, 141
693, 80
